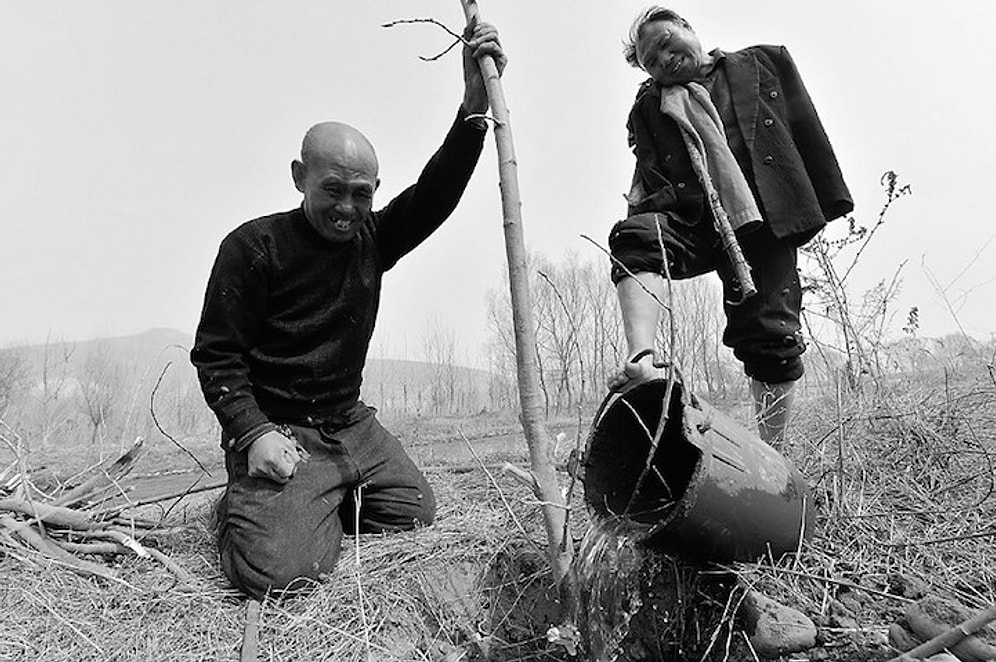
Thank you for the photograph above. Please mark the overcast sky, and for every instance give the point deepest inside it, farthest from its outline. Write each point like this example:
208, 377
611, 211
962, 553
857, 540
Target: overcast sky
134, 135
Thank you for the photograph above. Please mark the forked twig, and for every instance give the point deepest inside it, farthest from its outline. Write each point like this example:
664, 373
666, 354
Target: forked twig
457, 39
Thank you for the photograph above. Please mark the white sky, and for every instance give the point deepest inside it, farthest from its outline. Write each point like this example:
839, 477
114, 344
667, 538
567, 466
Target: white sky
134, 135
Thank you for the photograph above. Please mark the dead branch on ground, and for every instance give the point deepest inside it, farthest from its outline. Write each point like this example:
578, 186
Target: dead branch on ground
64, 526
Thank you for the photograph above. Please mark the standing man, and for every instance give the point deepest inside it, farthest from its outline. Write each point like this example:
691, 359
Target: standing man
723, 133
282, 341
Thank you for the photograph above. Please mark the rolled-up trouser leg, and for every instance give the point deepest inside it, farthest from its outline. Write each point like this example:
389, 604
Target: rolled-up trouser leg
640, 243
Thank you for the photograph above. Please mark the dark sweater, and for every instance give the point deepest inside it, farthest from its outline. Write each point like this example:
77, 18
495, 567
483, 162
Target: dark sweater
288, 315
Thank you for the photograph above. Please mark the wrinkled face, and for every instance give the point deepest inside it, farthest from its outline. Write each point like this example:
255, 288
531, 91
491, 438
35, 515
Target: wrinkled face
338, 190
670, 52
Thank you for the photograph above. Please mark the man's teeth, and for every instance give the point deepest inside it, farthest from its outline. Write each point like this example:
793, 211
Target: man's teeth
342, 224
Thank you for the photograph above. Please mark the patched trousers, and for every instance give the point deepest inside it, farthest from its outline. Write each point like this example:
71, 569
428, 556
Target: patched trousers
281, 537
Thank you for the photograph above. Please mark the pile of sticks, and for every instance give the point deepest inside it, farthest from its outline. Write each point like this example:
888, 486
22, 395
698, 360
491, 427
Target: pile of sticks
75, 522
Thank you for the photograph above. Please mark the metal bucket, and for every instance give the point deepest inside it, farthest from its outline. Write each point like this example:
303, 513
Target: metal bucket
711, 490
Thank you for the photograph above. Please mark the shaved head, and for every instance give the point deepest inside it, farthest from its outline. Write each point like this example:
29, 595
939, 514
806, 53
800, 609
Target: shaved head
341, 143
337, 173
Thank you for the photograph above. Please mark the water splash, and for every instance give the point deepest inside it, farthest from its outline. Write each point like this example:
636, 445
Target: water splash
608, 572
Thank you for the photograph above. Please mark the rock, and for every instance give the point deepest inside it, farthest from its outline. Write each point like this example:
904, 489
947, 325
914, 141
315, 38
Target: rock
775, 629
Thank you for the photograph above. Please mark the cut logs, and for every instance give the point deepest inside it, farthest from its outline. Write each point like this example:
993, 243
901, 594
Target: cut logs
65, 526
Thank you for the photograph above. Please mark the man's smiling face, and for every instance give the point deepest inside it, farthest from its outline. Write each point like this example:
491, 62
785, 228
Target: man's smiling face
670, 52
337, 174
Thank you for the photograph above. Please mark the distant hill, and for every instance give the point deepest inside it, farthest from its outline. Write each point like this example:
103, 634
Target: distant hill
394, 384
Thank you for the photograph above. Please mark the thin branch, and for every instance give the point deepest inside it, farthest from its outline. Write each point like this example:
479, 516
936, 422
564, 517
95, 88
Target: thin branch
970, 263
576, 453
179, 494
668, 390
889, 180
501, 495
950, 638
937, 541
947, 304
358, 499
64, 621
152, 411
828, 580
457, 39
249, 651
629, 273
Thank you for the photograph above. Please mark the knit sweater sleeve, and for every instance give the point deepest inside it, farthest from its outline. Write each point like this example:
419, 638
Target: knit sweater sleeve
421, 208
234, 306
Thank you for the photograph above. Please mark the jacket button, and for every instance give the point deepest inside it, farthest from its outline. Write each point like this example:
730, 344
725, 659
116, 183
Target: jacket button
681, 185
774, 94
769, 122
667, 157
769, 159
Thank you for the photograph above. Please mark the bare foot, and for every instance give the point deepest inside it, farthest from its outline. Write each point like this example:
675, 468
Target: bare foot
633, 373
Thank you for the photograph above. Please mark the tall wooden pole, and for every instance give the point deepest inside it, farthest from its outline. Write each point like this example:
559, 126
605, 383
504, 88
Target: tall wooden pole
546, 487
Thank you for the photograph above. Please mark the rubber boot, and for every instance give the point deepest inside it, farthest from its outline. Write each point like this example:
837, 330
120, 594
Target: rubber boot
772, 408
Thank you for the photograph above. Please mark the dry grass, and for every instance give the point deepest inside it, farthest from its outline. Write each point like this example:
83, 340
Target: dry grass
904, 492
410, 596
904, 487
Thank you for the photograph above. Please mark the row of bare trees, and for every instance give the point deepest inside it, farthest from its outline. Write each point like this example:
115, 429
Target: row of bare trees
61, 393
580, 340
65, 393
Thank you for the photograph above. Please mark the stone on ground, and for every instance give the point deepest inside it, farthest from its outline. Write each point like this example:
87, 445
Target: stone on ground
774, 629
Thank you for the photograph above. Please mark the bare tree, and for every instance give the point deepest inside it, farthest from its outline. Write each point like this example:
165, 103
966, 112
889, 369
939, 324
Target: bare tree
99, 389
14, 377
51, 410
438, 350
579, 333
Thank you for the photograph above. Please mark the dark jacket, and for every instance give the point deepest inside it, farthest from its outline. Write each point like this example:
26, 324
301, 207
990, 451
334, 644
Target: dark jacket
788, 161
288, 315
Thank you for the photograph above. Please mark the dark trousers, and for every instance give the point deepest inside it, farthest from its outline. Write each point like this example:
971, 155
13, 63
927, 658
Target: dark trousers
271, 534
764, 330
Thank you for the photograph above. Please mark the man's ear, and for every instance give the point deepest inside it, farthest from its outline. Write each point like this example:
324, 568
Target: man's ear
298, 173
